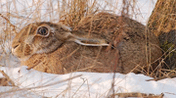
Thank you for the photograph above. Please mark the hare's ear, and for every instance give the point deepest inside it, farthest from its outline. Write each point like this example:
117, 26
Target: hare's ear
87, 41
91, 42
43, 30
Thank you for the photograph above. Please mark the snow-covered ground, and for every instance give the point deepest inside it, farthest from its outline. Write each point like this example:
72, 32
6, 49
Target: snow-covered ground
34, 84
83, 84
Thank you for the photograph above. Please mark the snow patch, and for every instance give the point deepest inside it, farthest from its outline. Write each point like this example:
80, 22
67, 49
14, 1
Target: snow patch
85, 84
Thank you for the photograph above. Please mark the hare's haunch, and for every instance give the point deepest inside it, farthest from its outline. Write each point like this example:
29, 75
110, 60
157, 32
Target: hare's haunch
55, 48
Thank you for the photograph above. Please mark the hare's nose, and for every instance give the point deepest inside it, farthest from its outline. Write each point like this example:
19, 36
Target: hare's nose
14, 47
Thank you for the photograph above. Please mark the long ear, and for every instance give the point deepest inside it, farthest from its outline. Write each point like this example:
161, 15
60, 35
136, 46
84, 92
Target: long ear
68, 36
87, 41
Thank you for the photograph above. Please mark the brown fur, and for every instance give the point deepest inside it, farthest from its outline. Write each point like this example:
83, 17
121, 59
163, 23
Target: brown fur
130, 51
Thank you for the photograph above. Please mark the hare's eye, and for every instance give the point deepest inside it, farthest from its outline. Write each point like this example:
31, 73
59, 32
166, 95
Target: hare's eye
43, 31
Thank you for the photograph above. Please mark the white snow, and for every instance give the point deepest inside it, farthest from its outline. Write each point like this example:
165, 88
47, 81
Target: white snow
14, 92
84, 84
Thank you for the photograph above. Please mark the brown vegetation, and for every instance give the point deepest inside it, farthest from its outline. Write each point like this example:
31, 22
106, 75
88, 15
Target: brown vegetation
141, 95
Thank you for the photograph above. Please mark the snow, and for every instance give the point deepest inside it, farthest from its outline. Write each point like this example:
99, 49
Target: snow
14, 92
6, 58
85, 84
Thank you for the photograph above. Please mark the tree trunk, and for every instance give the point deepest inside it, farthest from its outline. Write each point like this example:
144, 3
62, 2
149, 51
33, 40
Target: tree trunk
163, 17
162, 23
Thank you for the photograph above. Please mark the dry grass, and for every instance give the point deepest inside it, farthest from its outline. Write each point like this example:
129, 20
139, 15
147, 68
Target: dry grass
140, 95
70, 12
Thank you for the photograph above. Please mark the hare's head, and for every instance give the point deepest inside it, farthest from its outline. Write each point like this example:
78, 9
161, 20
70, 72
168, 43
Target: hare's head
46, 37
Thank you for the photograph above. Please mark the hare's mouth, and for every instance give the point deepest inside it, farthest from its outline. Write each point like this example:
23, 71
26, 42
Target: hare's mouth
20, 57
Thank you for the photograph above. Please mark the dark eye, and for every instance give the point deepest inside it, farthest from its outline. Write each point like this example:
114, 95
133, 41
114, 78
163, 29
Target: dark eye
43, 31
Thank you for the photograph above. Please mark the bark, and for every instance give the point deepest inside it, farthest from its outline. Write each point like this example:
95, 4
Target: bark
162, 23
163, 17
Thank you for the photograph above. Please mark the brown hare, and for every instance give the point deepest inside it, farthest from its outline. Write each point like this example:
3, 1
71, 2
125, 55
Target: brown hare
99, 43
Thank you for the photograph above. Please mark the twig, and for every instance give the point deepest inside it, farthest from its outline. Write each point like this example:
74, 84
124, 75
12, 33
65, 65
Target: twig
6, 76
163, 77
136, 94
14, 90
8, 21
29, 68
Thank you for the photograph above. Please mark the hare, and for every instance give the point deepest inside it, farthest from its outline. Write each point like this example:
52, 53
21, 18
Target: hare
99, 43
